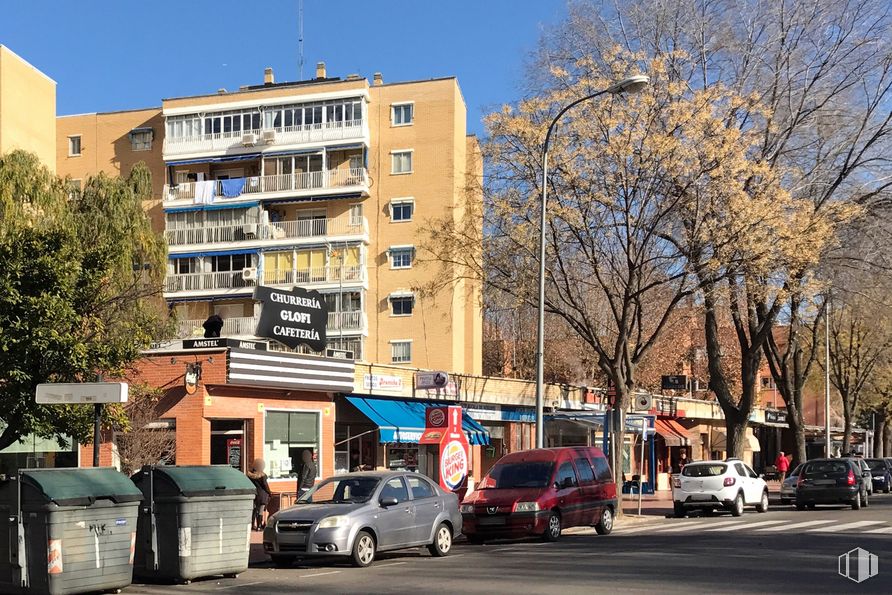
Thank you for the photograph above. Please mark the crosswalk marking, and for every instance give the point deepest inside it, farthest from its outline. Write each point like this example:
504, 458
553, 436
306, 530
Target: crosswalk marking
801, 525
845, 527
747, 526
880, 530
686, 526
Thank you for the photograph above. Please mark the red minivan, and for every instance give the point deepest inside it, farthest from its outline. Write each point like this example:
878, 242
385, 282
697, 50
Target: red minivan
540, 492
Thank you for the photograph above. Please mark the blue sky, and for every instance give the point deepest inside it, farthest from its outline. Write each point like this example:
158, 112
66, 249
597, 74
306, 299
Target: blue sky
110, 55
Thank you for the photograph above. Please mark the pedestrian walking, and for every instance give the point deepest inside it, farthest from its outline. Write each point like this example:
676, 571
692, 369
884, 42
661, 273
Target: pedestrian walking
261, 498
306, 475
783, 465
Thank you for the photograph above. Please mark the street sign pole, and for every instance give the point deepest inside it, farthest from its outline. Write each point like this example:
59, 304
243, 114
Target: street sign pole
97, 418
641, 471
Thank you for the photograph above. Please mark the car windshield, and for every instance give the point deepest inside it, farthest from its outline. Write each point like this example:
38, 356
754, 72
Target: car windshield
518, 475
704, 470
826, 468
341, 490
796, 471
877, 465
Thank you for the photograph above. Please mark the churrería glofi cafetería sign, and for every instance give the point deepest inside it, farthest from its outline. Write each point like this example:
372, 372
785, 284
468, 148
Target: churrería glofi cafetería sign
292, 317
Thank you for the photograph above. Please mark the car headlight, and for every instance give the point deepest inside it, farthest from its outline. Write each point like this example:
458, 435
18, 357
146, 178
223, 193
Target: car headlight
526, 507
467, 508
333, 522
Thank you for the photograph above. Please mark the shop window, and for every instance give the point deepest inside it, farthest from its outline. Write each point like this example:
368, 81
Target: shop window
286, 435
586, 474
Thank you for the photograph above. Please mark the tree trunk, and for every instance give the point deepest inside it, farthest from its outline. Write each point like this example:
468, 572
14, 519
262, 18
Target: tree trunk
888, 440
797, 425
847, 428
617, 440
879, 432
735, 430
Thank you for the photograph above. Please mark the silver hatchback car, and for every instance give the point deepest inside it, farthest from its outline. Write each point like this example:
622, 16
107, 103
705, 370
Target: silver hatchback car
359, 514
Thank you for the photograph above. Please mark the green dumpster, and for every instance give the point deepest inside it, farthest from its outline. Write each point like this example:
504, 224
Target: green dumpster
67, 531
195, 521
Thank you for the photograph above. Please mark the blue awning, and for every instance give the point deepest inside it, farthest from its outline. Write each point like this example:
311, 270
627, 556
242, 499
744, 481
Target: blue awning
245, 157
402, 420
213, 207
211, 253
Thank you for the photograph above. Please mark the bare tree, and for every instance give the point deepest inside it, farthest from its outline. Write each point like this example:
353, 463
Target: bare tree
144, 439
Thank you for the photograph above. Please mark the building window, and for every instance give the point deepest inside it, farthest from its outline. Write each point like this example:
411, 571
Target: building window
403, 114
400, 352
402, 305
230, 262
402, 210
356, 214
141, 139
402, 162
286, 434
401, 257
74, 146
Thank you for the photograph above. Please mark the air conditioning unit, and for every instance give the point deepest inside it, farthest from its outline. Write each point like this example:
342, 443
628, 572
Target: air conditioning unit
249, 229
249, 274
249, 139
269, 136
643, 402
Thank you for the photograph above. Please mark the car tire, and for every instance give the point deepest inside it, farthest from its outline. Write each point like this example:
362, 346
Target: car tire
800, 505
678, 510
866, 501
364, 547
283, 561
762, 506
442, 543
856, 503
605, 522
552, 527
737, 506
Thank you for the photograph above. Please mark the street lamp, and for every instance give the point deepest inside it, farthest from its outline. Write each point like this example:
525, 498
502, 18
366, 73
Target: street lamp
632, 84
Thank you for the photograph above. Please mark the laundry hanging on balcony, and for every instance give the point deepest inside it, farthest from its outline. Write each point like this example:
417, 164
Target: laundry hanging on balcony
205, 192
233, 187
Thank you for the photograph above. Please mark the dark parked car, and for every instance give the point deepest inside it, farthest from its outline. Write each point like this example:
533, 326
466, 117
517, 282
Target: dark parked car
831, 481
881, 474
540, 492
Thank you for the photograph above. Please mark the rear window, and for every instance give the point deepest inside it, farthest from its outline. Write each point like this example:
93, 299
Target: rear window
876, 465
825, 468
602, 469
704, 470
584, 468
529, 474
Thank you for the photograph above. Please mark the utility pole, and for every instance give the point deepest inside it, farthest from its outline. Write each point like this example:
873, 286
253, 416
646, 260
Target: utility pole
827, 451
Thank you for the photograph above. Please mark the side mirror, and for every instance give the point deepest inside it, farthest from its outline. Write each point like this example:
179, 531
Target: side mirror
389, 501
761, 476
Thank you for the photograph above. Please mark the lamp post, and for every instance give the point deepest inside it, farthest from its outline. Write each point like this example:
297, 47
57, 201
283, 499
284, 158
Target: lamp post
632, 84
827, 440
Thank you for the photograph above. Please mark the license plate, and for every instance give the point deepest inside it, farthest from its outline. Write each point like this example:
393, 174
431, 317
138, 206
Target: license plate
296, 538
491, 521
701, 497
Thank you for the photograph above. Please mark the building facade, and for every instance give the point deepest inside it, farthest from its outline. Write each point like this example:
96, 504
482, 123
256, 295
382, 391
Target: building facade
27, 108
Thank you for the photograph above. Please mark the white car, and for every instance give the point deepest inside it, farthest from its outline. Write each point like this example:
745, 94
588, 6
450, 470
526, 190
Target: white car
711, 485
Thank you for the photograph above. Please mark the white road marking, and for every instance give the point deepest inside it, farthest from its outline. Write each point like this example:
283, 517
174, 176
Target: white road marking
390, 564
685, 527
741, 526
239, 585
320, 574
801, 525
846, 527
880, 530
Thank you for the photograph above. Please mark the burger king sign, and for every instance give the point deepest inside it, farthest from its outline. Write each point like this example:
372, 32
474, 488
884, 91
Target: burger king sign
444, 429
453, 465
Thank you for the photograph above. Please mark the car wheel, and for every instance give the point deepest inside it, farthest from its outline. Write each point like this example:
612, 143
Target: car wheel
605, 523
800, 505
679, 510
856, 503
363, 550
737, 506
283, 561
866, 501
762, 506
442, 541
553, 528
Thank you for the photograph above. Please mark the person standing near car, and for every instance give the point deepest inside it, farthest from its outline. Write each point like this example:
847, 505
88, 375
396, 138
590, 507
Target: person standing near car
261, 499
783, 466
681, 462
306, 475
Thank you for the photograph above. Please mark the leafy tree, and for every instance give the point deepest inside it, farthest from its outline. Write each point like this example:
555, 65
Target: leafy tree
80, 289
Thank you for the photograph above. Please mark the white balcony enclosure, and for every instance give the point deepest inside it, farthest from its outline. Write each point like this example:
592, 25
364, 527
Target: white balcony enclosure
235, 283
272, 233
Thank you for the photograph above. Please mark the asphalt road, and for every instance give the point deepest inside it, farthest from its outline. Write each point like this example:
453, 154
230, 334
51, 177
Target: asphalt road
783, 550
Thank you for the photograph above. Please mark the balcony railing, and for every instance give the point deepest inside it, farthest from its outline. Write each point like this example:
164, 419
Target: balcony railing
235, 279
203, 281
246, 326
280, 230
296, 182
282, 136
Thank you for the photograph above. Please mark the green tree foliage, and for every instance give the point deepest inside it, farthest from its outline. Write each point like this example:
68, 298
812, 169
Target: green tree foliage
80, 289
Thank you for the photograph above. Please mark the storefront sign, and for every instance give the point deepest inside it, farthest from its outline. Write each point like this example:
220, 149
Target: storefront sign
443, 427
501, 413
217, 343
453, 465
234, 452
434, 380
293, 318
382, 383
776, 417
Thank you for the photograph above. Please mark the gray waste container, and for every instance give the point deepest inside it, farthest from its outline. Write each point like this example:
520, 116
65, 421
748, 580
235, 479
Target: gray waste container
67, 531
195, 522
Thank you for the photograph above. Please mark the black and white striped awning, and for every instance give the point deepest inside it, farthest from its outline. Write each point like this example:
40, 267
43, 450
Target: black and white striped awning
290, 370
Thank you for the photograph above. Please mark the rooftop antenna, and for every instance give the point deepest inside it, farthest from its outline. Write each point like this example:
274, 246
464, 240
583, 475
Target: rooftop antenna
300, 37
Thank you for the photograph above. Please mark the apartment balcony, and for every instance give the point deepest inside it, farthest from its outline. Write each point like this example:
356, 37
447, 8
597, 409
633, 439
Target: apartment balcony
352, 322
313, 183
253, 141
271, 234
235, 283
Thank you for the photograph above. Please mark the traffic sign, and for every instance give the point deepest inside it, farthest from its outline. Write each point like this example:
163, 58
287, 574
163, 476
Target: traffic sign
81, 393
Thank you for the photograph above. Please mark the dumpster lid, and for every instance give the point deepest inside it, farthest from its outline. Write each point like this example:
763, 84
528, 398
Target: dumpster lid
202, 480
81, 487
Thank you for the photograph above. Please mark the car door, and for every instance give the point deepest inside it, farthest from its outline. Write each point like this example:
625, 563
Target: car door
566, 486
591, 499
428, 506
745, 483
395, 523
755, 484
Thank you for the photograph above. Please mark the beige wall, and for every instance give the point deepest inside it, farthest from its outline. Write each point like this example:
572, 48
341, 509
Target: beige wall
27, 108
106, 147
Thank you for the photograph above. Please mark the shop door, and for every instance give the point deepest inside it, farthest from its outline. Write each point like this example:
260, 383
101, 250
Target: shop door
228, 443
